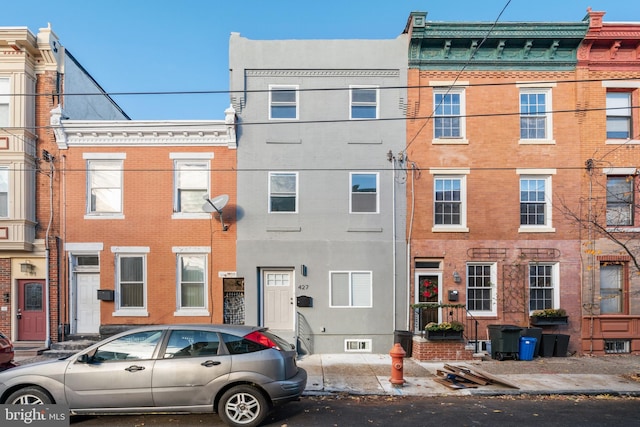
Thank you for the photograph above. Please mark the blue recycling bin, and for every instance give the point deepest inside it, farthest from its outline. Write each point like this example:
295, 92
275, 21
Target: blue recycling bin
527, 347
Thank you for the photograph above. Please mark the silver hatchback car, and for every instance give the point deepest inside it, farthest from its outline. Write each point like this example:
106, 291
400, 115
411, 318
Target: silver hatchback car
240, 372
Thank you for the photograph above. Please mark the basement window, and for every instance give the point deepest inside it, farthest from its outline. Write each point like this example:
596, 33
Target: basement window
357, 346
617, 346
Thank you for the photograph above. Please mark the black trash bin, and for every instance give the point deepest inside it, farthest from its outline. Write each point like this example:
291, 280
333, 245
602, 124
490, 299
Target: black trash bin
534, 333
548, 345
505, 341
405, 338
562, 345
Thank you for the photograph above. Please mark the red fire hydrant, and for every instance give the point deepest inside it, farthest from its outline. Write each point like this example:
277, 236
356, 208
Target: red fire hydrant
397, 354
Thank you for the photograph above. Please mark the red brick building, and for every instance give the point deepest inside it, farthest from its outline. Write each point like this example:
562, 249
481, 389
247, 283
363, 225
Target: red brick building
494, 155
608, 88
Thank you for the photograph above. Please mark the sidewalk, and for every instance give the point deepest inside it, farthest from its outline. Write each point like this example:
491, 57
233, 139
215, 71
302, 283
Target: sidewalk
368, 374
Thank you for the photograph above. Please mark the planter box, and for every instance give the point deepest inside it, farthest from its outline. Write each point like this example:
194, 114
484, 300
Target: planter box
444, 335
542, 321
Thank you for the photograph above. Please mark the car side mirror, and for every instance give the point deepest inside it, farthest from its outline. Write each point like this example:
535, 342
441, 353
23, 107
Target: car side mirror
87, 357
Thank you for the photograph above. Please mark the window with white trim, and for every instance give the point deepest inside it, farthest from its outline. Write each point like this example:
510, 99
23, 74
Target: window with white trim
192, 277
4, 102
104, 186
364, 192
535, 113
619, 118
612, 286
191, 185
283, 192
543, 286
351, 289
364, 102
283, 102
131, 281
4, 192
620, 200
449, 113
449, 201
535, 201
481, 288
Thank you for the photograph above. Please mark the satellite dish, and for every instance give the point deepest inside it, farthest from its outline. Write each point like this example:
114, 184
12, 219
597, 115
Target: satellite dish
215, 205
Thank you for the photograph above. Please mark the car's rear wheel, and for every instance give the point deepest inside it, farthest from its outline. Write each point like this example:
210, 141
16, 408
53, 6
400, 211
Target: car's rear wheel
30, 396
243, 406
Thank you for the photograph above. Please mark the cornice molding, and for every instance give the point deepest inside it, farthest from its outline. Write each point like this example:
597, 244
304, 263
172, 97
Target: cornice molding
322, 73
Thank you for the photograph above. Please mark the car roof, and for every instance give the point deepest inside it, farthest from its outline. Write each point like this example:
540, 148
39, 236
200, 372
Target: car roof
241, 330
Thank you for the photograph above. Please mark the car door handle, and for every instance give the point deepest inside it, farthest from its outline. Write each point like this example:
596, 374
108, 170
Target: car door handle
210, 363
134, 368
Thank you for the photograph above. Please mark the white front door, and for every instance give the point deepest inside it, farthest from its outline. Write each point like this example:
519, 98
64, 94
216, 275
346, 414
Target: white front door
278, 299
88, 305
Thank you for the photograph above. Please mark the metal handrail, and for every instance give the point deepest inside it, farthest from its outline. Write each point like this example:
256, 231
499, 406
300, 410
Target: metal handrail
450, 313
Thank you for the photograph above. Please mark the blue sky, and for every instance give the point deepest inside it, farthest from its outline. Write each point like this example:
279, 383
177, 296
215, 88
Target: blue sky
167, 45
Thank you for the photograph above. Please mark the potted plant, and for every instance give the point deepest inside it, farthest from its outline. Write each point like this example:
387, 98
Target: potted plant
549, 316
444, 331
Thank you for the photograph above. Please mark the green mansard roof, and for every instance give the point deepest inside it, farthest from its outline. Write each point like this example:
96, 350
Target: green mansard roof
483, 45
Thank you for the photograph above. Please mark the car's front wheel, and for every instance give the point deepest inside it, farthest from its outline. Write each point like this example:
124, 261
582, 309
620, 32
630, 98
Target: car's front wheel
30, 396
243, 406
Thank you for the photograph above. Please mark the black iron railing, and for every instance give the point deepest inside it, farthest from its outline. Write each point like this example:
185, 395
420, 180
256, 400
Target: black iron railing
426, 313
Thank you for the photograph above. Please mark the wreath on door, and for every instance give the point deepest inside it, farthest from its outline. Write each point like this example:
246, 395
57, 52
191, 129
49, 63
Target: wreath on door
428, 288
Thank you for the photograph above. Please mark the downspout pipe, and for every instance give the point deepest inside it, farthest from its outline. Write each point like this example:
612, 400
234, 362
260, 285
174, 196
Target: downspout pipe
49, 159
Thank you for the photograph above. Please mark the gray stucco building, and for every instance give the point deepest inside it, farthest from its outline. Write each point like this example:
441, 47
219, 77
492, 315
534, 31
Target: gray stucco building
321, 202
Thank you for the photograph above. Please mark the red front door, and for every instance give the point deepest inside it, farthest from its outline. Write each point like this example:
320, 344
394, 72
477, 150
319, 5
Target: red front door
31, 310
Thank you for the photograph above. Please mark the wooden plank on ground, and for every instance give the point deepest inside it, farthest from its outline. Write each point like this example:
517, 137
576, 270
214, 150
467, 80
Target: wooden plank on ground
492, 378
466, 373
451, 385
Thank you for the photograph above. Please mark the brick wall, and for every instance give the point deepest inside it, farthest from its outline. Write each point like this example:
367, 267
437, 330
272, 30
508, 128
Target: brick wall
443, 350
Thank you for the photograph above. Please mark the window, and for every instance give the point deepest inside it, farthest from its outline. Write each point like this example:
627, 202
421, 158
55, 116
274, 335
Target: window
481, 298
620, 200
192, 343
611, 288
364, 102
364, 193
448, 201
4, 192
532, 202
535, 119
105, 186
351, 289
135, 346
131, 284
448, 107
543, 292
4, 102
283, 192
283, 102
192, 279
191, 185
619, 115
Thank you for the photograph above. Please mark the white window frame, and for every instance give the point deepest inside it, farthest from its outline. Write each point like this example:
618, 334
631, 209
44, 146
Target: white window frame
354, 104
538, 174
203, 253
351, 292
272, 103
616, 294
95, 159
135, 252
180, 162
5, 102
619, 110
274, 173
537, 88
493, 273
352, 194
631, 86
5, 190
457, 174
555, 284
446, 91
